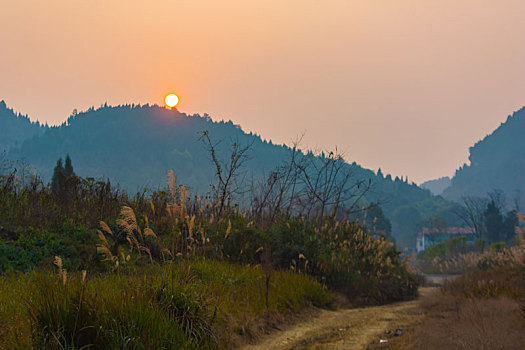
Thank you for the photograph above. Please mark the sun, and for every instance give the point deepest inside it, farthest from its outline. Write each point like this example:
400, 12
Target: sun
171, 100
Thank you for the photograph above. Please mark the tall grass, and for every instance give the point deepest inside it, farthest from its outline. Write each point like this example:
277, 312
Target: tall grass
341, 254
189, 305
158, 272
93, 226
471, 261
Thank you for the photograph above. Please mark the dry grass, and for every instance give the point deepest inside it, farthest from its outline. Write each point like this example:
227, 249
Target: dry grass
483, 309
471, 261
459, 323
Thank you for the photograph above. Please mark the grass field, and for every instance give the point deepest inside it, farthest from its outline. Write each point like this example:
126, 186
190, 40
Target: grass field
199, 304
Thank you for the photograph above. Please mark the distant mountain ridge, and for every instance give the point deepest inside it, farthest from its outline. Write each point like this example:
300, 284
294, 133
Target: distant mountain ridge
136, 146
496, 162
437, 186
15, 128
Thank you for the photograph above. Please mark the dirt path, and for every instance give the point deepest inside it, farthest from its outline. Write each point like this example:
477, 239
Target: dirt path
344, 329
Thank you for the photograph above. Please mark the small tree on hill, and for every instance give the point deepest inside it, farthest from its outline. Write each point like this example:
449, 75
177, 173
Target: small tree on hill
61, 173
59, 169
68, 167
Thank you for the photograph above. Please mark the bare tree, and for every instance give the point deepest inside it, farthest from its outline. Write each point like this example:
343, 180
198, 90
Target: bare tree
227, 173
472, 213
326, 185
275, 194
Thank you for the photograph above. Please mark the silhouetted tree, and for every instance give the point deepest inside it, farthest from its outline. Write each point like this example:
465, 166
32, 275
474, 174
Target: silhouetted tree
227, 173
57, 171
328, 186
68, 167
377, 221
509, 225
494, 222
472, 213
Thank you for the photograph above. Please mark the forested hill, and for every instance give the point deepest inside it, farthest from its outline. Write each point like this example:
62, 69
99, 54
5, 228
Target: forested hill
15, 128
136, 146
496, 162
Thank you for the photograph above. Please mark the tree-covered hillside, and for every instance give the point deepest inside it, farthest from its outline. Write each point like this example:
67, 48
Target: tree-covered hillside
136, 146
496, 162
15, 128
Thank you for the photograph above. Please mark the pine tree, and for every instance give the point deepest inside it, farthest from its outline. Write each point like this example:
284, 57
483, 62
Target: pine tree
59, 169
68, 167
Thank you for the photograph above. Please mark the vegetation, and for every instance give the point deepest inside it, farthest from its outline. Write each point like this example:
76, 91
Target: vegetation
15, 128
495, 162
471, 260
481, 309
488, 218
169, 270
456, 257
198, 304
147, 141
495, 233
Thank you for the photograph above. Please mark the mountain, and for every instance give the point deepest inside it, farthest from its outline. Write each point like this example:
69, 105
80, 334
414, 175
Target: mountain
15, 128
135, 146
437, 186
496, 162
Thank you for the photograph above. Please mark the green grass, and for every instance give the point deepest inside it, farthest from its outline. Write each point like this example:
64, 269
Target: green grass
199, 304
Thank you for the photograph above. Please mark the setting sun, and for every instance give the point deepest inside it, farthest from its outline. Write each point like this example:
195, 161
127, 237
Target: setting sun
171, 100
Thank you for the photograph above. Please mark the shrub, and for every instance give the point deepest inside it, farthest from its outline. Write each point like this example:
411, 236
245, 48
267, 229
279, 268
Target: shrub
343, 255
448, 248
461, 263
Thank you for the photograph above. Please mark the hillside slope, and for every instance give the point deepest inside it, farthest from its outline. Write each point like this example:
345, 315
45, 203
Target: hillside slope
496, 162
136, 146
15, 128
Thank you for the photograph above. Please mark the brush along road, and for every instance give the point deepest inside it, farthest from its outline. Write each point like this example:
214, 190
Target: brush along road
346, 328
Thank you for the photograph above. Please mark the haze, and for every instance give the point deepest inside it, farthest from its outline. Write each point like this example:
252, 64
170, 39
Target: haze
403, 85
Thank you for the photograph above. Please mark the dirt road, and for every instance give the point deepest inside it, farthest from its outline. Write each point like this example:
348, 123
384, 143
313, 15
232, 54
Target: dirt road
345, 329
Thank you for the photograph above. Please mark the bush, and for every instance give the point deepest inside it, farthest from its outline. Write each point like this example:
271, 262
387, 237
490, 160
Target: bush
446, 249
344, 256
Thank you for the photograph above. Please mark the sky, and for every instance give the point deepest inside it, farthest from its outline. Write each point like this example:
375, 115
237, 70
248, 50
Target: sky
402, 85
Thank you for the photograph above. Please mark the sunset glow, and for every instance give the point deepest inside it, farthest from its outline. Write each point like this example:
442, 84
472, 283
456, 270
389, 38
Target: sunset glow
171, 100
398, 69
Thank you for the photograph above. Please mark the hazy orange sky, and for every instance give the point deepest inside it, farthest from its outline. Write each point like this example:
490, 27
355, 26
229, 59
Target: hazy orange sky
405, 85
